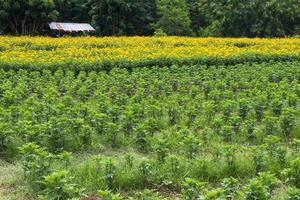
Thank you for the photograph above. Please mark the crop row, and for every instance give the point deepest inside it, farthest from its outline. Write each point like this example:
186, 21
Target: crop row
64, 111
38, 53
185, 129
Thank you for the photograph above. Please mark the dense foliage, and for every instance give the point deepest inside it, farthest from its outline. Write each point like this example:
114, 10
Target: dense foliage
91, 53
167, 11
186, 132
239, 18
119, 17
26, 17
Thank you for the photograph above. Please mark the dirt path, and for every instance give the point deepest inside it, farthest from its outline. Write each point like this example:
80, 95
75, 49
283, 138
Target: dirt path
5, 191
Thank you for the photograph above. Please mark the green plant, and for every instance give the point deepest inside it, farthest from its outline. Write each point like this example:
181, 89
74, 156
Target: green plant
36, 163
277, 105
141, 138
271, 127
250, 130
59, 185
216, 194
145, 170
235, 122
244, 107
287, 121
227, 107
209, 107
259, 158
191, 188
268, 180
162, 149
174, 164
261, 187
293, 194
296, 145
108, 195
256, 190
281, 154
58, 134
112, 130
227, 132
149, 195
191, 145
109, 173
6, 138
65, 158
129, 160
206, 134
173, 113
230, 187
127, 122
217, 124
229, 152
292, 173
272, 143
260, 104
159, 33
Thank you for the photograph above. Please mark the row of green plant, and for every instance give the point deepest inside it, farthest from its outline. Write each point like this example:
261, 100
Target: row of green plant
188, 131
64, 111
110, 177
107, 65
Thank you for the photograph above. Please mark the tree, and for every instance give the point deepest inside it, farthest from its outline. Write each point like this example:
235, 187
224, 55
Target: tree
173, 17
26, 17
255, 18
199, 14
3, 27
141, 15
122, 17
73, 10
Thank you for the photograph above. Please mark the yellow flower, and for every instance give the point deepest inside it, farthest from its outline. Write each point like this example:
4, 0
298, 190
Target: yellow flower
69, 52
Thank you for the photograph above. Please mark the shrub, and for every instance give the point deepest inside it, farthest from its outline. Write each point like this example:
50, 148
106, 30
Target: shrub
244, 107
287, 121
39, 163
261, 187
256, 190
108, 195
250, 130
260, 104
230, 187
229, 152
109, 173
217, 194
191, 146
59, 185
191, 188
162, 149
293, 194
292, 174
145, 171
36, 163
271, 127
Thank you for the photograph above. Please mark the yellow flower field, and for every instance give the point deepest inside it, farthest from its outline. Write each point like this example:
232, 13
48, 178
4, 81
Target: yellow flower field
107, 52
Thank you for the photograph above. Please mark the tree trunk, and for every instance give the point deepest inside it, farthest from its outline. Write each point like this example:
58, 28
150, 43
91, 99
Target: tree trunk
23, 27
13, 26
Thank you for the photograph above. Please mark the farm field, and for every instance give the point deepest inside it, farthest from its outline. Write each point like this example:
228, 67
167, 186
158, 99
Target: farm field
149, 118
92, 53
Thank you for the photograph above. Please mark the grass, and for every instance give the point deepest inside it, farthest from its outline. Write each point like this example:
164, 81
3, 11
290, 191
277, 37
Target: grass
12, 186
85, 168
